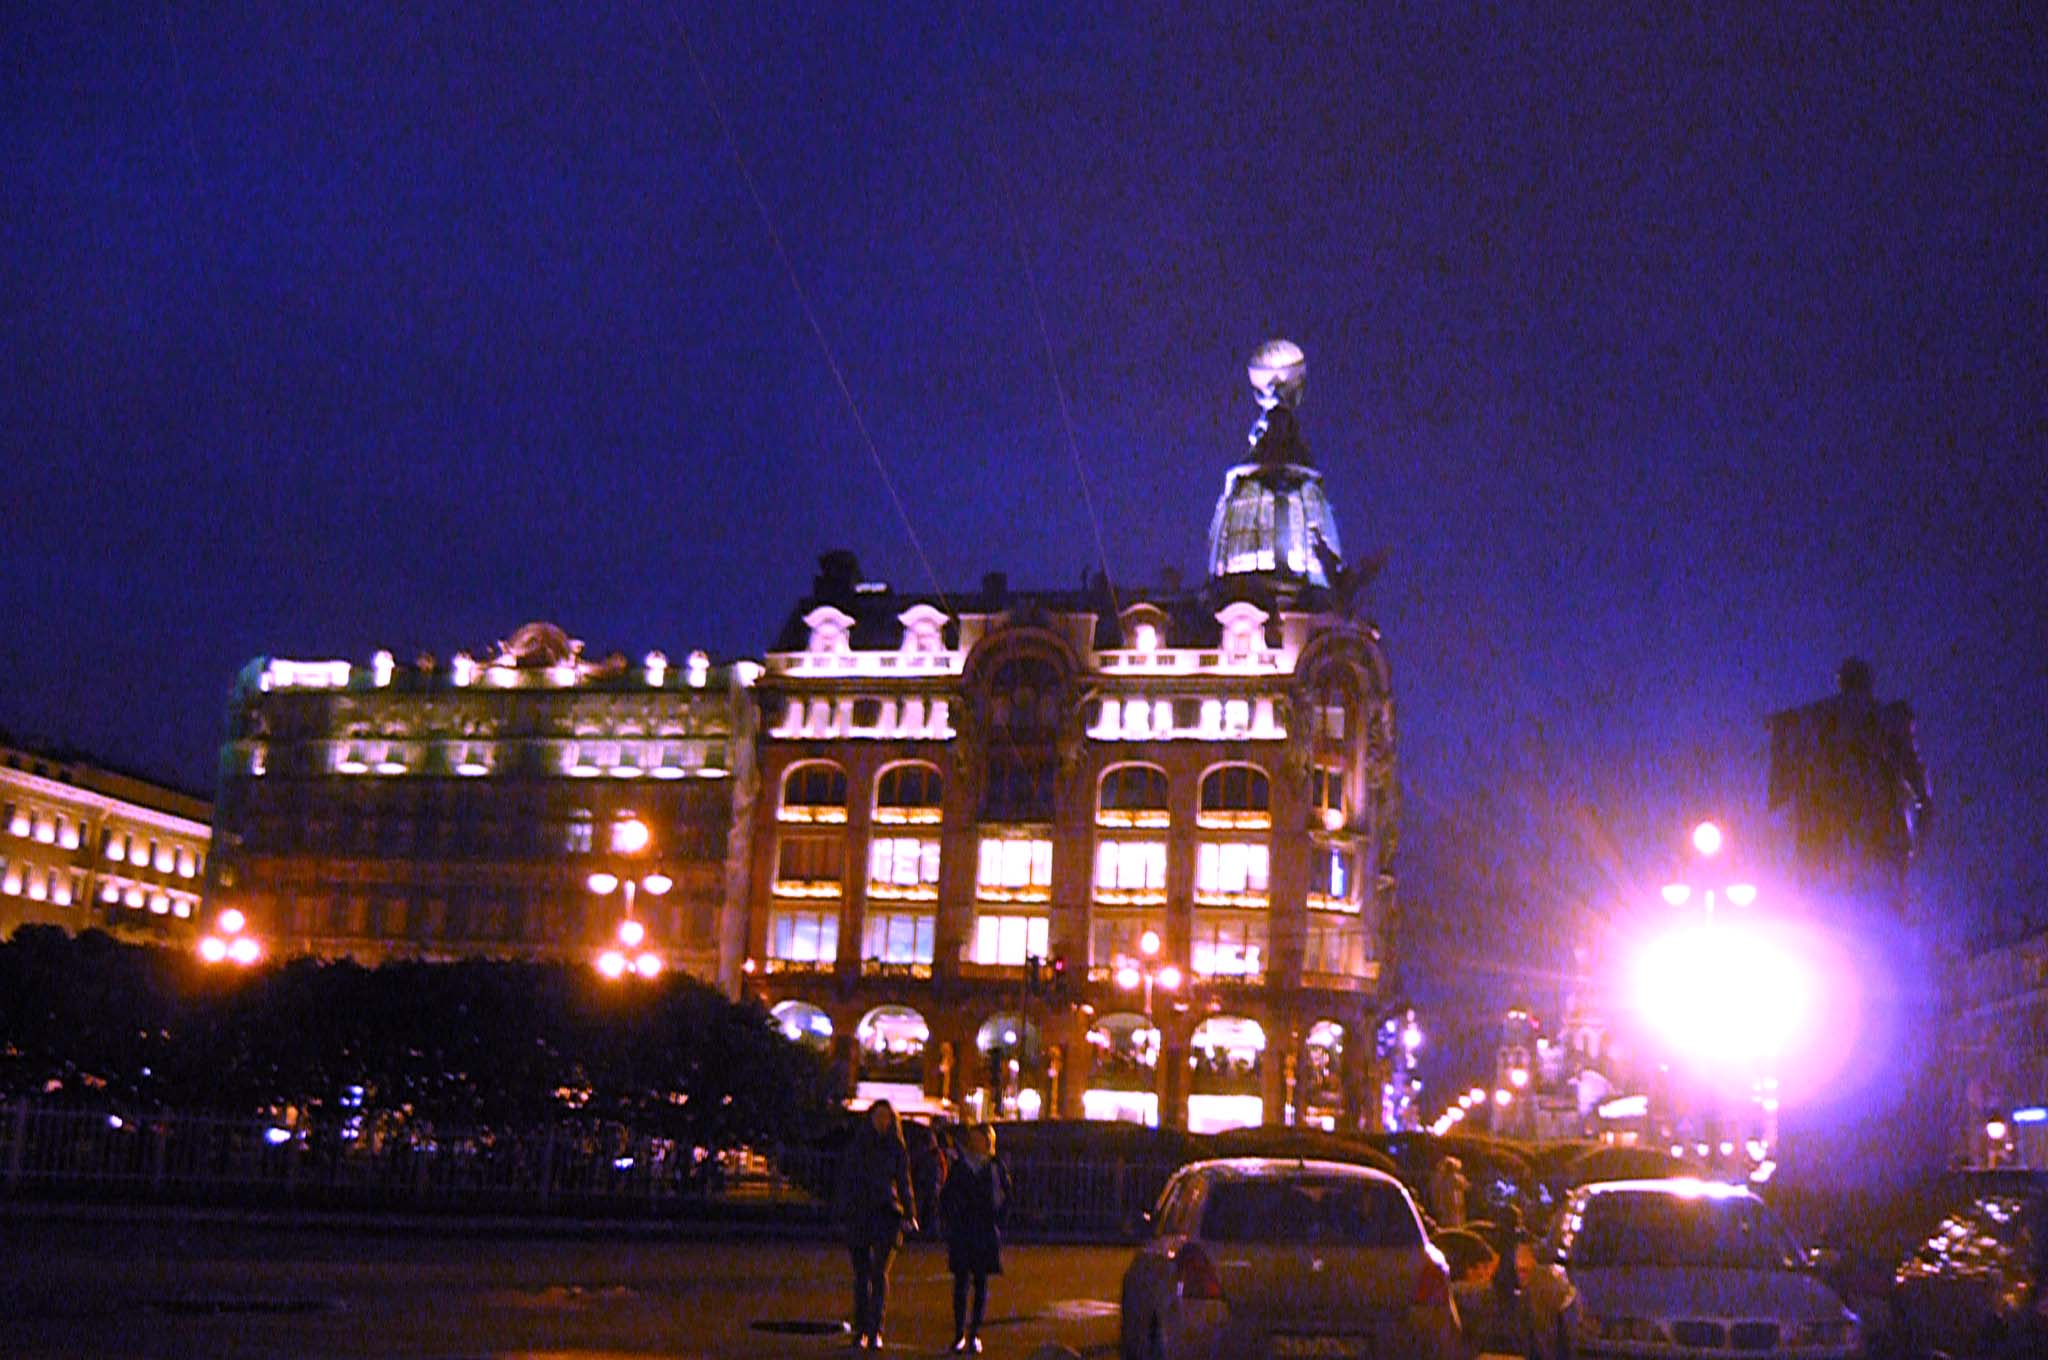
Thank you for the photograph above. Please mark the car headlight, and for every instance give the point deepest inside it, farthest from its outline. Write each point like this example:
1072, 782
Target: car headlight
1614, 1327
1839, 1332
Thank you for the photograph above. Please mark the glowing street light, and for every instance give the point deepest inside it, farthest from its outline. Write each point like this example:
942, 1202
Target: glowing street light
1706, 838
213, 949
1502, 1097
629, 836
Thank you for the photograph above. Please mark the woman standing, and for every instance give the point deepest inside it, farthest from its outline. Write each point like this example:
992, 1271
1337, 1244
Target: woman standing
971, 1207
876, 1203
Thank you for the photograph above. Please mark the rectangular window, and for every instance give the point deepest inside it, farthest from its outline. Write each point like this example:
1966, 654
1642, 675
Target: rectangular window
903, 866
803, 936
1015, 869
1330, 877
898, 937
1116, 937
1334, 944
1130, 871
1009, 940
1231, 872
1326, 794
1228, 944
67, 833
810, 865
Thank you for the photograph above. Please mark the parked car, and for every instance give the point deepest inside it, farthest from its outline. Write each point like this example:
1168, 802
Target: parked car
1975, 1286
1255, 1257
1679, 1268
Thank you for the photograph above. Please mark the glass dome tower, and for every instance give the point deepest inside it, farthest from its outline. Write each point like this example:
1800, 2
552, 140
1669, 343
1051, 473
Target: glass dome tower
1273, 524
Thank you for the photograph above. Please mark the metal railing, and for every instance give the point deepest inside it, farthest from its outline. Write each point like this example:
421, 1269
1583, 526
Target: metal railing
57, 1152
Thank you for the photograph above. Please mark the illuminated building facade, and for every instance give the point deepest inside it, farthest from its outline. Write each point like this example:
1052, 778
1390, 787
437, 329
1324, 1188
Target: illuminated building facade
473, 808
1089, 852
85, 847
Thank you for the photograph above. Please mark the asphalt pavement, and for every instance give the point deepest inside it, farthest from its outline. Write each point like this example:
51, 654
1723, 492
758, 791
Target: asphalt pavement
101, 1286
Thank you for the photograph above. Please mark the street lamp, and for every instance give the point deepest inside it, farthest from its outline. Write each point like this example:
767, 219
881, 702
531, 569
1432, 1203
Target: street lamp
1148, 973
230, 943
630, 836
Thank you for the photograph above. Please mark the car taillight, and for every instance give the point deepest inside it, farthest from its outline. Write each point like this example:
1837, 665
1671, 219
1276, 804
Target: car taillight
1433, 1284
1195, 1275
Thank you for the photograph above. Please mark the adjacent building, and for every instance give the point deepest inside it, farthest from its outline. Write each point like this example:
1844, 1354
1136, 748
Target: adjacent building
1113, 852
475, 808
86, 847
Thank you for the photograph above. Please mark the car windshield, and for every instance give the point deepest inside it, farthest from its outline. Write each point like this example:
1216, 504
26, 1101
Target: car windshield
1725, 1232
1353, 1213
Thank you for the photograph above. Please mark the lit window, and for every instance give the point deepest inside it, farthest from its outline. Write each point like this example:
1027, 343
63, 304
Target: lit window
1330, 877
1237, 716
1132, 795
903, 866
814, 792
11, 881
117, 846
1231, 872
186, 865
1137, 718
1130, 871
1326, 795
1235, 796
67, 833
1009, 940
909, 794
1330, 721
1015, 869
1333, 944
17, 821
46, 828
897, 937
1117, 937
1228, 944
803, 936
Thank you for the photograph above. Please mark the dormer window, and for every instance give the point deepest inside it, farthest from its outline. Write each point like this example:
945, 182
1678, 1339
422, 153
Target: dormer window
1145, 638
924, 630
831, 631
1243, 630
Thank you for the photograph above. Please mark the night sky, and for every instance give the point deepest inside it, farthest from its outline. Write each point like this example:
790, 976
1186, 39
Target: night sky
1670, 359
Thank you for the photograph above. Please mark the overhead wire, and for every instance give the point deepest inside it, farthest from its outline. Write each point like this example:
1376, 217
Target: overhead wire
810, 313
1052, 367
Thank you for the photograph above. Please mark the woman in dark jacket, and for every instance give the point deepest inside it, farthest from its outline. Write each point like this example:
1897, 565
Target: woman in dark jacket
876, 1203
971, 1207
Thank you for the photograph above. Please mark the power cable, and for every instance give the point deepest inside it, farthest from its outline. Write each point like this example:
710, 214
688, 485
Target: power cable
810, 314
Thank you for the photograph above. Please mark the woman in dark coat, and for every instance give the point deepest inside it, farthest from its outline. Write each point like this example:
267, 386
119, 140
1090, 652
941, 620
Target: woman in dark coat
876, 1203
971, 1207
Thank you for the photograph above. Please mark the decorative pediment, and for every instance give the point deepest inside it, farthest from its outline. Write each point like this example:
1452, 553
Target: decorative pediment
1244, 625
831, 631
924, 629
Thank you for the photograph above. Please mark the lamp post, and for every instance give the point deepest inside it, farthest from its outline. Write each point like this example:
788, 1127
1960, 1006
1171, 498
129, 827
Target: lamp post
1146, 974
1722, 992
630, 836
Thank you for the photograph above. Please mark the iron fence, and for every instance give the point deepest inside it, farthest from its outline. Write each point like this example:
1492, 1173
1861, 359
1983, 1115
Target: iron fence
57, 1152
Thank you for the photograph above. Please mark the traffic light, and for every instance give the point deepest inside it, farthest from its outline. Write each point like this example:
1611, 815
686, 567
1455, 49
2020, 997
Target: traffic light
1033, 979
1059, 979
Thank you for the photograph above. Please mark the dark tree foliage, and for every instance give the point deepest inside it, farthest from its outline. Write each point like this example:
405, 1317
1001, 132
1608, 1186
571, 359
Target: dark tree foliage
472, 1046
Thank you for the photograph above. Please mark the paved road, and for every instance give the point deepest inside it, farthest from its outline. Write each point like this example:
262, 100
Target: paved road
166, 1288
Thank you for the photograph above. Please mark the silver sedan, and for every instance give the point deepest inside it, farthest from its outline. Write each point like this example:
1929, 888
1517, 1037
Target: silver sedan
1258, 1257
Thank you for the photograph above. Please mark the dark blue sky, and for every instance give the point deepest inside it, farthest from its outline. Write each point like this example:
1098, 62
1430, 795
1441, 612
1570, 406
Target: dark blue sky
1671, 357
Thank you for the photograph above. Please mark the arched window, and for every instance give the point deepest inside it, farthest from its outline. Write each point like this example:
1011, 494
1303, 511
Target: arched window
813, 792
1026, 696
1132, 795
909, 794
1236, 796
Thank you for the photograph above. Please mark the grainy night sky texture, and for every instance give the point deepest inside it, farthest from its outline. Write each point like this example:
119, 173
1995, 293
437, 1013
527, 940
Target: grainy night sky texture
1671, 356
